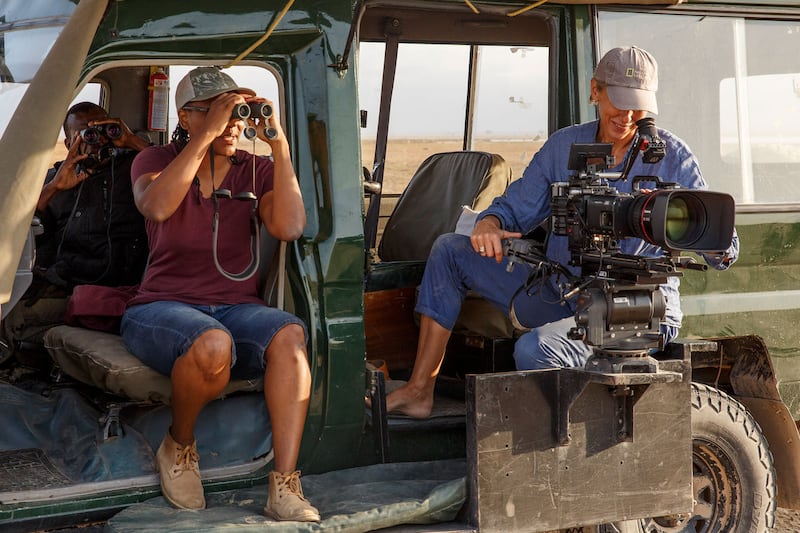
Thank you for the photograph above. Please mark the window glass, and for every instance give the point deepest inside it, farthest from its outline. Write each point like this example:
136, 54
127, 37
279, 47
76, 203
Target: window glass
429, 104
511, 103
27, 31
724, 90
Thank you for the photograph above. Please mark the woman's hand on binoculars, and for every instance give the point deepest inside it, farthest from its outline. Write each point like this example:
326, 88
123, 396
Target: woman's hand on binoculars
220, 109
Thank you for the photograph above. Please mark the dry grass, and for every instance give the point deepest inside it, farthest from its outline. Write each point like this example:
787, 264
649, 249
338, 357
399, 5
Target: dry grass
403, 157
59, 153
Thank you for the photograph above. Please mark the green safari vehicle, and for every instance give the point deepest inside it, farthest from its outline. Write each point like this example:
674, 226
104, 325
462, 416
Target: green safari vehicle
378, 97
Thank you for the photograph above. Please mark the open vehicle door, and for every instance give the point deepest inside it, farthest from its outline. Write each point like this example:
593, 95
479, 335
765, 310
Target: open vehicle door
28, 140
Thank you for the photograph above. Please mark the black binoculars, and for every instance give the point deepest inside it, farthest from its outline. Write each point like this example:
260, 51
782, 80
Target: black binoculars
109, 131
253, 109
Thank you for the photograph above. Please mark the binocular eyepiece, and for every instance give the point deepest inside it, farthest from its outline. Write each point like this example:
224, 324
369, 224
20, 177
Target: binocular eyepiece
94, 134
252, 110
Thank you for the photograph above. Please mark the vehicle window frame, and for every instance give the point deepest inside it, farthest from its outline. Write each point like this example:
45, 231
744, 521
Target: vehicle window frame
711, 162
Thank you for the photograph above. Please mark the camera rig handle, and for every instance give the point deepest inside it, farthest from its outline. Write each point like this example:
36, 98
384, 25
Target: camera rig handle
648, 142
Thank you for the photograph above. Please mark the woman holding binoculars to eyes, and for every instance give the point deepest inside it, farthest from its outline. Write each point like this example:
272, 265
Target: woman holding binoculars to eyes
191, 320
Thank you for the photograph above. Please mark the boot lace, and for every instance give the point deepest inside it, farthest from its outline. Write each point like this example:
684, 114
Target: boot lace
187, 459
291, 483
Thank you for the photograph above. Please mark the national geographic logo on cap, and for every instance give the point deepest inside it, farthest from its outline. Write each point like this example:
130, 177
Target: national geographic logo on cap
631, 78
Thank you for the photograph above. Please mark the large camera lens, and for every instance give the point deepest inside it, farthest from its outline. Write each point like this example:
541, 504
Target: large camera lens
679, 219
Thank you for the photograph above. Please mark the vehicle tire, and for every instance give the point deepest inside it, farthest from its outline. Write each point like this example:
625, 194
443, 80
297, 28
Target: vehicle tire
734, 478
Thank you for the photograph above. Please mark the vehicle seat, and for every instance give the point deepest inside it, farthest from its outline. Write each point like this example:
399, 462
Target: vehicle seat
431, 205
101, 359
432, 201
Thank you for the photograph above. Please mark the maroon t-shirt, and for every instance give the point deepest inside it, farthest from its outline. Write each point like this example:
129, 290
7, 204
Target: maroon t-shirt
181, 265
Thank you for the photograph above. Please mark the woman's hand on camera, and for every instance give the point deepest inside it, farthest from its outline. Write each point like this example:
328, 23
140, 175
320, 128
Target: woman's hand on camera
487, 238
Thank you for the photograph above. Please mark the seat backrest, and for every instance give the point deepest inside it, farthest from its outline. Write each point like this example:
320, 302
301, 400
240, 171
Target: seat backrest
432, 201
273, 275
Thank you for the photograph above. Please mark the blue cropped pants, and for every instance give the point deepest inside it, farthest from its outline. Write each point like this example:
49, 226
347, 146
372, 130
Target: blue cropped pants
453, 268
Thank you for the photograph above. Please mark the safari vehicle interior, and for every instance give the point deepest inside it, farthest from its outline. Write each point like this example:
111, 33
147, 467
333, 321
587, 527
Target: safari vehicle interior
441, 88
95, 379
115, 409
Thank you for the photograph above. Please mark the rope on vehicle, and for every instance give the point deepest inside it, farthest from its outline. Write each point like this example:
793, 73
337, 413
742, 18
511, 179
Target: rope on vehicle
264, 37
524, 9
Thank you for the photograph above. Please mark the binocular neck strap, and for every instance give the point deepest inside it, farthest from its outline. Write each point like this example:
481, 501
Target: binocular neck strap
255, 234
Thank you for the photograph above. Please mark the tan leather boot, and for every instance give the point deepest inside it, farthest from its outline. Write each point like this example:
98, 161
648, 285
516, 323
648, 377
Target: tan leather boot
286, 500
180, 474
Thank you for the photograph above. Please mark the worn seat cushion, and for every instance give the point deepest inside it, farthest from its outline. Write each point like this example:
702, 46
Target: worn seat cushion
101, 359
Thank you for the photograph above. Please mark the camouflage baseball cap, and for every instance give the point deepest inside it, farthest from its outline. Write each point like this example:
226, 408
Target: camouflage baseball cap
631, 78
203, 83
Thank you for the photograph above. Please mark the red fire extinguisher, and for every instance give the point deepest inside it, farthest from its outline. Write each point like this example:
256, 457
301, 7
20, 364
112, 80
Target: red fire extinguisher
158, 100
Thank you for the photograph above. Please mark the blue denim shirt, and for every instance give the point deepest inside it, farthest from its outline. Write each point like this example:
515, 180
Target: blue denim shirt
526, 202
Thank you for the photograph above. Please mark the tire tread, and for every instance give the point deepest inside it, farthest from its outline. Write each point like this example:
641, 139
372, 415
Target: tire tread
705, 396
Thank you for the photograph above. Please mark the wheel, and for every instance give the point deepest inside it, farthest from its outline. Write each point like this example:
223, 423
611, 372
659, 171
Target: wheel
734, 479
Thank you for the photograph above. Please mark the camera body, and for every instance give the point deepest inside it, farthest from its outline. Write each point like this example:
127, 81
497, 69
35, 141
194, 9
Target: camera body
101, 158
595, 215
619, 303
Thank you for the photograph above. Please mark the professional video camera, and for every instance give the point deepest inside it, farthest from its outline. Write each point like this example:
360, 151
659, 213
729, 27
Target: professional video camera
620, 305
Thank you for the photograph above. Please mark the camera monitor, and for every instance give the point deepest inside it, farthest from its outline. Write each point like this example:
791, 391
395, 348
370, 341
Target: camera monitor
581, 155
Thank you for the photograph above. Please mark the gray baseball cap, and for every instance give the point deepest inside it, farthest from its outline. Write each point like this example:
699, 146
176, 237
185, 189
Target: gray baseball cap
631, 78
203, 83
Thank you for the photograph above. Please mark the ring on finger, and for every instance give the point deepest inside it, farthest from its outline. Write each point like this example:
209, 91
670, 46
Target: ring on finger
482, 250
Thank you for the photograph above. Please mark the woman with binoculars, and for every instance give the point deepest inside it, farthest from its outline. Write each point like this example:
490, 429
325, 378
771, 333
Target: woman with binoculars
192, 320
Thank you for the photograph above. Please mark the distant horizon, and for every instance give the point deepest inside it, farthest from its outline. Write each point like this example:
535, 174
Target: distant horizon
539, 136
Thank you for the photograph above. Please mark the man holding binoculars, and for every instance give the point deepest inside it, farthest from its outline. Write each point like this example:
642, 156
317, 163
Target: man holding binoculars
93, 233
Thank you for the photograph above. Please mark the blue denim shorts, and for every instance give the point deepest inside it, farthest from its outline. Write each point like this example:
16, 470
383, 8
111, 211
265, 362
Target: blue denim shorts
160, 332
